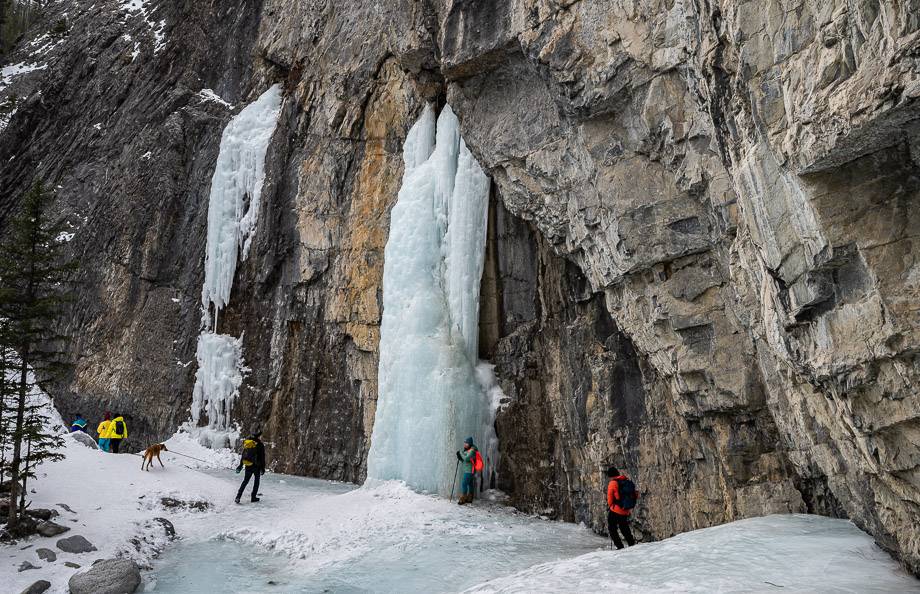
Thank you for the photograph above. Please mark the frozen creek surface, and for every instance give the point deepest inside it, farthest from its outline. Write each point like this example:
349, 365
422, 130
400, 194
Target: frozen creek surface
317, 536
383, 538
389, 539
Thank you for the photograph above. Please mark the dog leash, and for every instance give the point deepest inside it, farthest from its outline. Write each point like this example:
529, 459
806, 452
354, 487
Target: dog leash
187, 456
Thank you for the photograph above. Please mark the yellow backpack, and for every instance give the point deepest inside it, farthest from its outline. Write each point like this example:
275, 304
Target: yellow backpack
249, 452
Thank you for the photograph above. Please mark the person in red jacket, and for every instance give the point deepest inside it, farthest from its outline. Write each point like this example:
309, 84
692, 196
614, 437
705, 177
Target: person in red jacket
621, 498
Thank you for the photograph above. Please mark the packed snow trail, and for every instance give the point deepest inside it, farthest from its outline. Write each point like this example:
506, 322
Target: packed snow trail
430, 395
308, 535
233, 210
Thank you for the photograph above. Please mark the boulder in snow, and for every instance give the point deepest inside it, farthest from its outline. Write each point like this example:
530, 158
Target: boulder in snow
37, 587
42, 514
49, 528
25, 566
75, 544
72, 564
85, 439
110, 576
47, 555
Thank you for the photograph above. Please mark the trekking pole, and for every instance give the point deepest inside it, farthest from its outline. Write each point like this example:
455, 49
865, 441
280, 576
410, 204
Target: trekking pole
454, 484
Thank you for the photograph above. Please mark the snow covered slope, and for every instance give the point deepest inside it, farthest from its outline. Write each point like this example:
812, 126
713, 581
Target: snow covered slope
792, 553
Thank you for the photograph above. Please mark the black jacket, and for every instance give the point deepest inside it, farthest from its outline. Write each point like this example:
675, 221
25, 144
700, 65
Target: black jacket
260, 455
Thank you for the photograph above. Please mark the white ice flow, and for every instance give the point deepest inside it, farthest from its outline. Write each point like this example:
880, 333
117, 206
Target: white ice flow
236, 195
429, 396
233, 210
217, 383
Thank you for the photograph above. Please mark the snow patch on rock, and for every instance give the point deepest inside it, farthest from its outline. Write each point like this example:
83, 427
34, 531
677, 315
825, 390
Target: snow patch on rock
210, 95
8, 73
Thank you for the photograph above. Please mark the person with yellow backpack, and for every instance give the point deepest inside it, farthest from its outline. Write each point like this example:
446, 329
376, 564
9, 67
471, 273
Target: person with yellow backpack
118, 431
253, 460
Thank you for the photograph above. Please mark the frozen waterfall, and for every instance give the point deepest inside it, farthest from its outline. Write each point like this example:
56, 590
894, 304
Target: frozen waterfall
236, 195
233, 210
431, 395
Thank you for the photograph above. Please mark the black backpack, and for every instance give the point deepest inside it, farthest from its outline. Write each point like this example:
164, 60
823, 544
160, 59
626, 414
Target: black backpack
627, 491
120, 427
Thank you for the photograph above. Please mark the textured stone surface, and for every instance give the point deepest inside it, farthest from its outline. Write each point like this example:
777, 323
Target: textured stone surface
75, 544
703, 261
46, 555
49, 528
42, 514
37, 587
108, 576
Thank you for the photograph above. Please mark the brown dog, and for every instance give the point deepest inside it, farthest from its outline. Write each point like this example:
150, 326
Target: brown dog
152, 451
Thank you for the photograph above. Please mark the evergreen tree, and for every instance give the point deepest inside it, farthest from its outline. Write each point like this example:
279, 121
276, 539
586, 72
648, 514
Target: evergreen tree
32, 296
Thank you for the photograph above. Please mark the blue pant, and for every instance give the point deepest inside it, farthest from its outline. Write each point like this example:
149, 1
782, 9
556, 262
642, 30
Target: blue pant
468, 484
104, 444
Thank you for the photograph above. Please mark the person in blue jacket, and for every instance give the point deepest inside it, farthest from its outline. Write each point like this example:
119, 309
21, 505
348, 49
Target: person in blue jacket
468, 463
79, 424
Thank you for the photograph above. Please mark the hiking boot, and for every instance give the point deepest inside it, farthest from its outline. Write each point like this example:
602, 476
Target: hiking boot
237, 500
254, 499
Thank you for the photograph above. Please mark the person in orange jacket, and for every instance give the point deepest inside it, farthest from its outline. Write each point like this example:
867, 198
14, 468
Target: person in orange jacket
621, 498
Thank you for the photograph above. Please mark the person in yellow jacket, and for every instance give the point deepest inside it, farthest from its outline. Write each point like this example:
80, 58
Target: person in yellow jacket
103, 432
118, 431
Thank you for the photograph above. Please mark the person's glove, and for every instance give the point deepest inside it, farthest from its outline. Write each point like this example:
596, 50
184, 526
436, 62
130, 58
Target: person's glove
238, 469
459, 457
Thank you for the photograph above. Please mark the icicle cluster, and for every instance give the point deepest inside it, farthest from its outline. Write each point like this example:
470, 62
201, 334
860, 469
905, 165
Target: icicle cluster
430, 397
233, 210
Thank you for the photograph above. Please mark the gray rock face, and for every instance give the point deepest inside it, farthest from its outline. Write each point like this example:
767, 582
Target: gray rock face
75, 544
37, 587
46, 555
25, 566
109, 576
702, 266
49, 528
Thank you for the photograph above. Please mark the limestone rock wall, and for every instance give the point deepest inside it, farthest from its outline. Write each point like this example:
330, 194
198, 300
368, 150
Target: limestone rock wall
702, 264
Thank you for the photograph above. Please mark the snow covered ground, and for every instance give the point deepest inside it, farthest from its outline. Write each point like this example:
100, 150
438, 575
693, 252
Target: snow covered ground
313, 536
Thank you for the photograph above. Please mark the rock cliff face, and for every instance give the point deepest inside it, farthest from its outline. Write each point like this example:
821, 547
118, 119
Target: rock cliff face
702, 262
